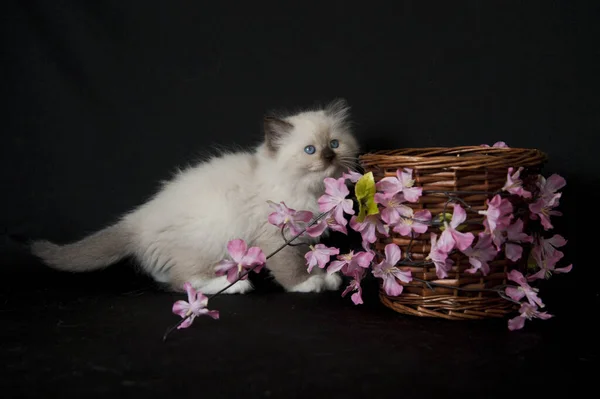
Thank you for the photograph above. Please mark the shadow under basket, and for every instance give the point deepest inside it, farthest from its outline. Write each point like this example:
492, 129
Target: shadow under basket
471, 174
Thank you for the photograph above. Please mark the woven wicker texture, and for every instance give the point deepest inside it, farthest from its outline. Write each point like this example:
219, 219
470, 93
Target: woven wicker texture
471, 174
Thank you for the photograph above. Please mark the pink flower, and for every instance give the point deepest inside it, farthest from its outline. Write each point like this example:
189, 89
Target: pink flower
334, 199
549, 187
547, 247
326, 222
196, 306
515, 235
368, 227
481, 254
543, 208
411, 221
319, 255
392, 207
514, 184
352, 176
527, 312
459, 240
242, 259
389, 273
498, 213
284, 216
497, 144
354, 285
547, 266
350, 262
524, 290
401, 183
439, 255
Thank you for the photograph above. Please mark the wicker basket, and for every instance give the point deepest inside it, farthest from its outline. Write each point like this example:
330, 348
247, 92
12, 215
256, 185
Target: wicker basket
471, 174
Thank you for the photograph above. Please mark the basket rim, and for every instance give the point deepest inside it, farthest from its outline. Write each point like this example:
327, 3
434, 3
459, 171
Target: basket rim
458, 157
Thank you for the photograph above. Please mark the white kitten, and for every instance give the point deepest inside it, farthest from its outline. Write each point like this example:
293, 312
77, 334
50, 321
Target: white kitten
182, 232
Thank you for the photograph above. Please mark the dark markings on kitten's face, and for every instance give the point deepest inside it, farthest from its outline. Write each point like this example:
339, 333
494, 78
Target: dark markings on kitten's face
275, 129
328, 155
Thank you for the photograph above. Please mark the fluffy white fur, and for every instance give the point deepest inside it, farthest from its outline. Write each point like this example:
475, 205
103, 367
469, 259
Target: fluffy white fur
182, 232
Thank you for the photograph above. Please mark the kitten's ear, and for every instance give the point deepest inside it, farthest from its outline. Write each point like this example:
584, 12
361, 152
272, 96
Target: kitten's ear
338, 109
275, 129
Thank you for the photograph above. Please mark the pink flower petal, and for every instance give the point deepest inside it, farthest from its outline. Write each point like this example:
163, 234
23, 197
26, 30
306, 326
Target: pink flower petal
442, 268
191, 292
237, 249
211, 313
224, 266
412, 194
357, 297
462, 240
364, 259
554, 183
389, 185
181, 308
303, 216
514, 293
404, 276
564, 269
392, 254
254, 256
233, 274
477, 266
338, 215
336, 266
391, 286
541, 274
317, 229
517, 277
513, 251
326, 203
311, 260
446, 242
458, 216
352, 176
557, 241
187, 322
516, 323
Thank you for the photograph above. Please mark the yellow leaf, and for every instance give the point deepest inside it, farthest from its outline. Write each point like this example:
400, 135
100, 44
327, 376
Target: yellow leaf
365, 194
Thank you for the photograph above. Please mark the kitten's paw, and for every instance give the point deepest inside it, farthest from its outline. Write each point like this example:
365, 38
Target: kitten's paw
212, 286
333, 281
314, 283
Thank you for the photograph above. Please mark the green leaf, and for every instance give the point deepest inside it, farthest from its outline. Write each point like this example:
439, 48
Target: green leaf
365, 194
531, 263
444, 217
447, 217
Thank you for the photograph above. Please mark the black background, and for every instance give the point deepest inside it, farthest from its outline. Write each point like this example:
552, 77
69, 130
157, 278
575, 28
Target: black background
103, 100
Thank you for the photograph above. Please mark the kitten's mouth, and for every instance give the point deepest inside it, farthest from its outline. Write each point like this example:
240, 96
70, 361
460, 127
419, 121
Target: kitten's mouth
333, 169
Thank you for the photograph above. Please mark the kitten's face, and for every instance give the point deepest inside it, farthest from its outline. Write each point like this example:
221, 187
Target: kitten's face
317, 144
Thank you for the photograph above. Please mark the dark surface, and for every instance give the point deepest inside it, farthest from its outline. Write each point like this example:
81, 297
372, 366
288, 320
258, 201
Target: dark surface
99, 335
104, 100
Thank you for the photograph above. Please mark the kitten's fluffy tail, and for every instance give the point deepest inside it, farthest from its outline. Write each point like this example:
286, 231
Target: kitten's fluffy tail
96, 251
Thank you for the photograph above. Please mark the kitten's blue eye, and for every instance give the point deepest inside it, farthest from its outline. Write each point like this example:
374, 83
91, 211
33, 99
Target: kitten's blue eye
334, 144
310, 149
